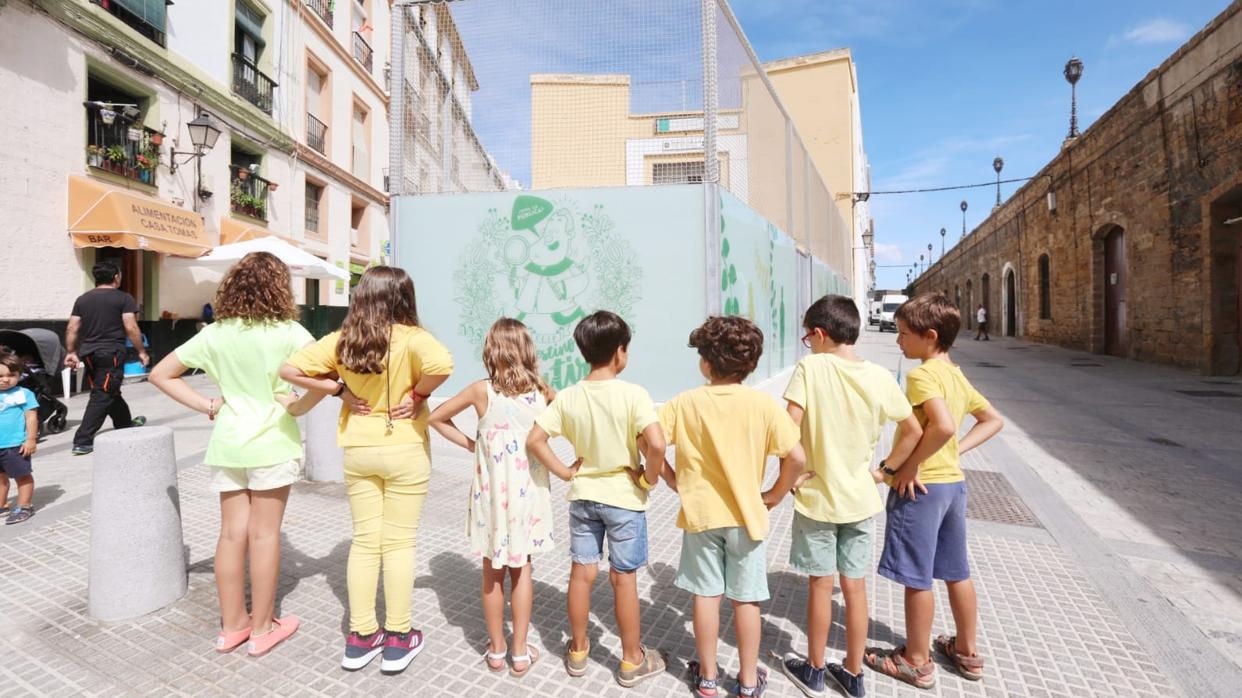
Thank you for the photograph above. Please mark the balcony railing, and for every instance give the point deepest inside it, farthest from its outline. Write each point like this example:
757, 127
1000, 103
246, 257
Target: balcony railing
121, 147
312, 215
363, 52
251, 84
248, 192
323, 8
151, 26
316, 133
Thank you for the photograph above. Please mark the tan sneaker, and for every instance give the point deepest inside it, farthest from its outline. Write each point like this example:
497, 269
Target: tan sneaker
653, 663
576, 662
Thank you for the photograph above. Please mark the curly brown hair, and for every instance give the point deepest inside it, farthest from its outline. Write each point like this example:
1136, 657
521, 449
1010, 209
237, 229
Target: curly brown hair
257, 289
384, 297
731, 345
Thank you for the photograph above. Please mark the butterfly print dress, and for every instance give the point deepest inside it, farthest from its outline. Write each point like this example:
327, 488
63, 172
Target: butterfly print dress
510, 504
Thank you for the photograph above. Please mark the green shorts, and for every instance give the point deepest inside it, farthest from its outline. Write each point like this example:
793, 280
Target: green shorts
724, 561
823, 549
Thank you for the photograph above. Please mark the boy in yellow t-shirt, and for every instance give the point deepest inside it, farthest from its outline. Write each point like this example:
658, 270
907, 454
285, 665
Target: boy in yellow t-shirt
842, 404
724, 433
603, 418
925, 535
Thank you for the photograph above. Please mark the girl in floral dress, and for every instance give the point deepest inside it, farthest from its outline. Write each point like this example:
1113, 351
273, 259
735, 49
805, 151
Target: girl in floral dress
510, 506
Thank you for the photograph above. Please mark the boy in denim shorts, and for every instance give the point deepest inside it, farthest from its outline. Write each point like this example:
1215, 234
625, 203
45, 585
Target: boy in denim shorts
842, 404
724, 433
925, 534
604, 417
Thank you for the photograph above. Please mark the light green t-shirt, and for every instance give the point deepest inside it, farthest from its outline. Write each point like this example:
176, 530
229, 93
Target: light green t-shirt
846, 404
252, 429
602, 419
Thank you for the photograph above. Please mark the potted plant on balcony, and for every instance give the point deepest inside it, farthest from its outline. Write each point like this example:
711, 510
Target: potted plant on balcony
157, 139
116, 157
146, 167
94, 155
242, 173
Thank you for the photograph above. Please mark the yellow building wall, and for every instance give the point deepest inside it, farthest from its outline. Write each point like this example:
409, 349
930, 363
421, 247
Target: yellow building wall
579, 125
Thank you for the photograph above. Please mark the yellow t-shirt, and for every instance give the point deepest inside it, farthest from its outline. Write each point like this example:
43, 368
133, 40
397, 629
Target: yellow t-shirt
724, 435
939, 378
602, 419
847, 404
414, 353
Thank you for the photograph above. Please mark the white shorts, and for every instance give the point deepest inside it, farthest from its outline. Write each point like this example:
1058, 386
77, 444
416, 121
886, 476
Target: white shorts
268, 477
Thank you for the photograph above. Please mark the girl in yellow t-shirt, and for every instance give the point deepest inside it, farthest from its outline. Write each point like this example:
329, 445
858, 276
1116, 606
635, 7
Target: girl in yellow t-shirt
381, 354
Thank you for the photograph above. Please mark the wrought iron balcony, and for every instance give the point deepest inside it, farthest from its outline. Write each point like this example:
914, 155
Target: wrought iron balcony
248, 192
151, 27
122, 147
251, 84
323, 8
363, 52
316, 133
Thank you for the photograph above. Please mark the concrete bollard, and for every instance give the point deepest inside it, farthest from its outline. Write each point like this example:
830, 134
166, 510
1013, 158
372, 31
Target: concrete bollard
325, 461
137, 562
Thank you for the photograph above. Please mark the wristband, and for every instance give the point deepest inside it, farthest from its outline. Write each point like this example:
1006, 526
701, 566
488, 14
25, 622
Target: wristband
644, 485
340, 389
887, 470
419, 396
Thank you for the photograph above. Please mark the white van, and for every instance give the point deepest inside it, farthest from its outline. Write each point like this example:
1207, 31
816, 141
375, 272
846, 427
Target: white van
873, 313
888, 306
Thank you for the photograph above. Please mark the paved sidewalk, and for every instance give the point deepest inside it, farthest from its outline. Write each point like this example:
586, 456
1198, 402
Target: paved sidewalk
1097, 554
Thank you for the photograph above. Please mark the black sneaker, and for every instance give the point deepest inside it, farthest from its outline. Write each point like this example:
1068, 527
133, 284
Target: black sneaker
361, 649
83, 450
849, 683
138, 421
807, 678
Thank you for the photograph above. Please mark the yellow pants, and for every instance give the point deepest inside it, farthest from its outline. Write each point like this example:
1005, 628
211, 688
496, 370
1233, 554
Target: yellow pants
386, 486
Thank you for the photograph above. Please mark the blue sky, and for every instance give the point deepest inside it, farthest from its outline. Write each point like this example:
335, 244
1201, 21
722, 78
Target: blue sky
948, 85
945, 85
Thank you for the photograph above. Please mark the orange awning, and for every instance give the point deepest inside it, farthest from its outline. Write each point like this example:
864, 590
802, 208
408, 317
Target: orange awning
101, 215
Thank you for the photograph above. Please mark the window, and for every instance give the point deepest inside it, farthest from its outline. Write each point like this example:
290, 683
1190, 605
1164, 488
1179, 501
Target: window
314, 206
116, 140
359, 238
318, 106
678, 172
362, 35
147, 17
360, 150
1045, 288
248, 44
247, 190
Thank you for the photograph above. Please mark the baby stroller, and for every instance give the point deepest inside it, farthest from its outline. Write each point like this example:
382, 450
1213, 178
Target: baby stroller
44, 357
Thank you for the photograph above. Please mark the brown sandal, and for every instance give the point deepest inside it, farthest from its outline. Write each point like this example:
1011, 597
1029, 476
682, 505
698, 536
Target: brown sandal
490, 657
893, 663
969, 666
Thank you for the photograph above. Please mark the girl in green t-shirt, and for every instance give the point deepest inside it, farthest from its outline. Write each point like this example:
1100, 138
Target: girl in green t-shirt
255, 445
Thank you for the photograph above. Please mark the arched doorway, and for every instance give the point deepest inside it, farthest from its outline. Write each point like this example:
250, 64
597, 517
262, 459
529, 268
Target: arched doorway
957, 300
1115, 292
970, 306
1225, 288
1011, 304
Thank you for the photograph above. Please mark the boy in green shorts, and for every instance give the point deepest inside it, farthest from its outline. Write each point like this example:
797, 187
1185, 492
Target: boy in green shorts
842, 404
724, 433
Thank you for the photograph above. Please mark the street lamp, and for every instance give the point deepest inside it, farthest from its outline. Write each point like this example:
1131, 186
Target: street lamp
920, 264
1073, 71
998, 164
929, 256
963, 219
942, 231
203, 134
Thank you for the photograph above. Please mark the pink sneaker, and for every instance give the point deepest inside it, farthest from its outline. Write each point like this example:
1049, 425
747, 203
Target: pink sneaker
361, 649
227, 642
282, 628
400, 649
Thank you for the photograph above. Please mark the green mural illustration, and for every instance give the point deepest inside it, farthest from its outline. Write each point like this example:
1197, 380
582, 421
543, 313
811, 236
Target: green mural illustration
547, 265
776, 297
728, 271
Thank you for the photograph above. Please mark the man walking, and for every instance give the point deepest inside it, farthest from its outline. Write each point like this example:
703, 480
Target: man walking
98, 326
981, 316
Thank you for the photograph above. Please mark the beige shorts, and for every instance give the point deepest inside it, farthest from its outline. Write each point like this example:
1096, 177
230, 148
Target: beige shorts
269, 477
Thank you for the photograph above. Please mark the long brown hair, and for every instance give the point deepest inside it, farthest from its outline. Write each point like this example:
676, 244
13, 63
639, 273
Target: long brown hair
256, 289
511, 360
384, 297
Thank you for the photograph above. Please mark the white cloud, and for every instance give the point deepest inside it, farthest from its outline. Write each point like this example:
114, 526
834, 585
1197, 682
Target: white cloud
1154, 31
885, 252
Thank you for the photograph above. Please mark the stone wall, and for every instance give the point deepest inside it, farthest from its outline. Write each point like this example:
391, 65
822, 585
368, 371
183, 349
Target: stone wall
1164, 167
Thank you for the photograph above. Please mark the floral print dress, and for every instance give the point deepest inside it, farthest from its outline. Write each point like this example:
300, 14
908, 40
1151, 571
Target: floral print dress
510, 504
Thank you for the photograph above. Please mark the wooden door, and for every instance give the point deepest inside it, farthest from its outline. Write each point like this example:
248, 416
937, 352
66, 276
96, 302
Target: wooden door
1115, 293
1011, 306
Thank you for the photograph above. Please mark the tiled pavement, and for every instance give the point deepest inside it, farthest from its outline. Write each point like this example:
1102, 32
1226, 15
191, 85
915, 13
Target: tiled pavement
1049, 627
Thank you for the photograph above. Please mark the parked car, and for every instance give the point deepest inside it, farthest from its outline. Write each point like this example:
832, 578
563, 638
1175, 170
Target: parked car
888, 306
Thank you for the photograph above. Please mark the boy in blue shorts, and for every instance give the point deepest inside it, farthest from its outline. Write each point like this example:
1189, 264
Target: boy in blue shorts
603, 417
19, 433
842, 404
925, 534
